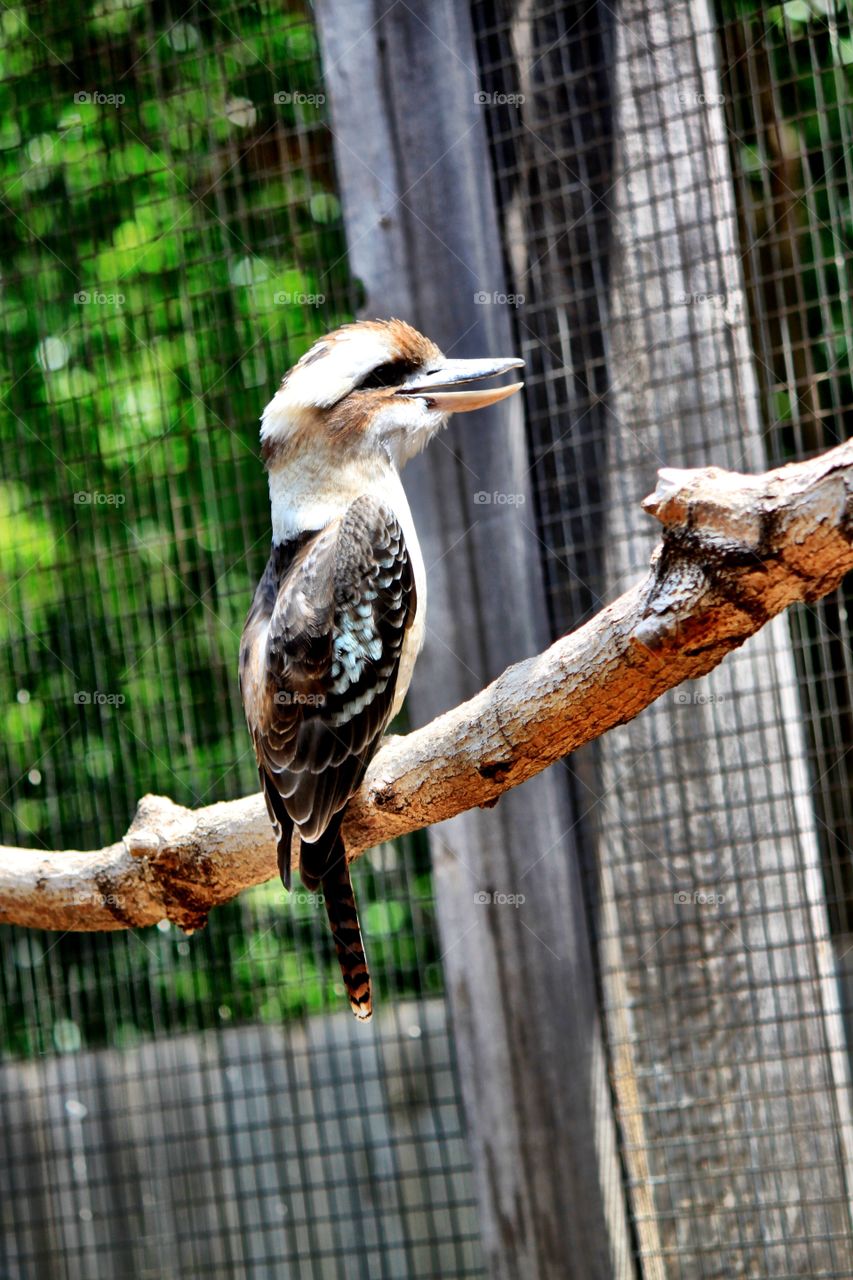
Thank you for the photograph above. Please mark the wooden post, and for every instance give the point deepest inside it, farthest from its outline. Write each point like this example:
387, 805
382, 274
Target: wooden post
723, 1007
414, 173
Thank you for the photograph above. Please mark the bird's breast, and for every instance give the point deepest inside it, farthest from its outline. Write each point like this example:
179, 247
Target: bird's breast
311, 493
414, 639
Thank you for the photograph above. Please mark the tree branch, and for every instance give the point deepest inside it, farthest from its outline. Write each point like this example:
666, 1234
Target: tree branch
736, 550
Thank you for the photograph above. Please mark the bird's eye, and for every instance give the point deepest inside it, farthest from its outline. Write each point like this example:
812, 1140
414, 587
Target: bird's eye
386, 375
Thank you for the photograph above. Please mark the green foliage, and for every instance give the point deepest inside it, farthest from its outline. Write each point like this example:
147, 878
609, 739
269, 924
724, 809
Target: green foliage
788, 83
172, 242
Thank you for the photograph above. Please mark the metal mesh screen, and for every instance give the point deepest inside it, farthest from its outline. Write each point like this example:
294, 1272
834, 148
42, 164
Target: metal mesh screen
787, 82
674, 183
171, 242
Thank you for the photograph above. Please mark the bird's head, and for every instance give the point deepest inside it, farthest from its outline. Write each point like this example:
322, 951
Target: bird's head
377, 387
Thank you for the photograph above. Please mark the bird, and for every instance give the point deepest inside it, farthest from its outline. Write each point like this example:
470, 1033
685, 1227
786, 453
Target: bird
338, 617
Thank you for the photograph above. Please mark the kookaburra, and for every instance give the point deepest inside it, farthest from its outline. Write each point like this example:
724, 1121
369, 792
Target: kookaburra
337, 620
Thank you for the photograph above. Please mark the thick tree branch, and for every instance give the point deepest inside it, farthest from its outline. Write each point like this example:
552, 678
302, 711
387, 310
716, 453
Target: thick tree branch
736, 550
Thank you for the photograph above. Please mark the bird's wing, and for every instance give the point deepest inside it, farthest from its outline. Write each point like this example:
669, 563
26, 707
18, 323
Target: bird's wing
327, 670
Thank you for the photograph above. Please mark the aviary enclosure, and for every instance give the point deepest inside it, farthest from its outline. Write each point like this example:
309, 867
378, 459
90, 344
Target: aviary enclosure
613, 1017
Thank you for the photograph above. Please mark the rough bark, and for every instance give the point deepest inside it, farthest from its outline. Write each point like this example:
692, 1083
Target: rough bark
736, 551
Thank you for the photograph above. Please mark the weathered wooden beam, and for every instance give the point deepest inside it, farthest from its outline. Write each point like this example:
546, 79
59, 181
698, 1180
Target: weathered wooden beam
417, 188
730, 1064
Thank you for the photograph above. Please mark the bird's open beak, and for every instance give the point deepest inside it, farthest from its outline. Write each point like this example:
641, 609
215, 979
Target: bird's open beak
432, 385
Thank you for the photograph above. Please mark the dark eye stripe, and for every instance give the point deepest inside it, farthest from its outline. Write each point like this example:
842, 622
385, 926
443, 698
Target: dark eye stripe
387, 375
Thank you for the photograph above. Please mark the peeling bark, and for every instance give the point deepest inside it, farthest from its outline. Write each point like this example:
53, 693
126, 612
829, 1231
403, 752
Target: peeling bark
736, 551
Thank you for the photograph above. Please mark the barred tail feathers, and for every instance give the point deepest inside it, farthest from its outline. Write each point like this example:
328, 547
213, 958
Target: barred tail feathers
343, 919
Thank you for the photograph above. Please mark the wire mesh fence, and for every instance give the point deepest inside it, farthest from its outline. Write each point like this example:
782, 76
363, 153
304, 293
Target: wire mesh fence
788, 90
171, 243
674, 187
675, 191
